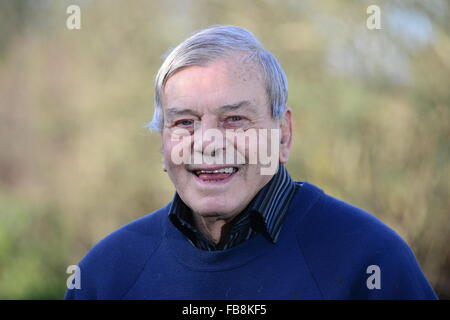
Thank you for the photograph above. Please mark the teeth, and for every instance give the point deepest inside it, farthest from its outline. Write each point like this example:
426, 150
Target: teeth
223, 170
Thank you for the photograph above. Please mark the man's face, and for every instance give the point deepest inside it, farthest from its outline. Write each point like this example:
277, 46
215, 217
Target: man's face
227, 94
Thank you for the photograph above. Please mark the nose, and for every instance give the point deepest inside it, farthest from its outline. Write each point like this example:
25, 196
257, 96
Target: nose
208, 139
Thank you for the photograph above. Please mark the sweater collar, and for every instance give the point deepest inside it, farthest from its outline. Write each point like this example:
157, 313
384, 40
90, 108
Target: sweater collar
305, 197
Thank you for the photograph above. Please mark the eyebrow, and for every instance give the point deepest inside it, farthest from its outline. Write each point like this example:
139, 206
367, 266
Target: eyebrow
222, 109
181, 112
236, 106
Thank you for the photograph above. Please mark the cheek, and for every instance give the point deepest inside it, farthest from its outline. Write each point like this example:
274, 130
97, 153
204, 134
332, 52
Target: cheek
166, 150
177, 151
244, 149
176, 171
172, 169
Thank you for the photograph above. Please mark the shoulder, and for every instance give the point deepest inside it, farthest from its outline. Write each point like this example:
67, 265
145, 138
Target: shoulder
341, 241
340, 220
113, 264
133, 239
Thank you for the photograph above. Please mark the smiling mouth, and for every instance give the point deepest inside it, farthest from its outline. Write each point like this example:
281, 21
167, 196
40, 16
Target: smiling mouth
215, 174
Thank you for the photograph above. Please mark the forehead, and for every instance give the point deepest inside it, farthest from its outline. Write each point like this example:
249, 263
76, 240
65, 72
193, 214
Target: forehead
218, 83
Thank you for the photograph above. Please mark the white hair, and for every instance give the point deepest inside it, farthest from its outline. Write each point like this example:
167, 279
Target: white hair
211, 44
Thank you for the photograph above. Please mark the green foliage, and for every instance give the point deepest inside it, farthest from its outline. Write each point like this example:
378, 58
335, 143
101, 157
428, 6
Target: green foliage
33, 248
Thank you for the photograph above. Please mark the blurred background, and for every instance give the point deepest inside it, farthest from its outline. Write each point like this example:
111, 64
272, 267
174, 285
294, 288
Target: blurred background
371, 107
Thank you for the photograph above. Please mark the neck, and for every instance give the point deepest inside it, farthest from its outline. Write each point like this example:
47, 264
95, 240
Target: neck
215, 229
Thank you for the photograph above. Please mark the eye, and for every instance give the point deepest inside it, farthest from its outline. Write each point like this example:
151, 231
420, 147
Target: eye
235, 118
184, 122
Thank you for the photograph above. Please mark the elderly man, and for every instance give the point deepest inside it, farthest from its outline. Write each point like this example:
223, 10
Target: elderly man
233, 229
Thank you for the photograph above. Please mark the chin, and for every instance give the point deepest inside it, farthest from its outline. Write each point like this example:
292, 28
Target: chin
213, 207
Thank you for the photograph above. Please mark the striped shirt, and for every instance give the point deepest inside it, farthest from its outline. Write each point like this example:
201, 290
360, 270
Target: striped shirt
264, 214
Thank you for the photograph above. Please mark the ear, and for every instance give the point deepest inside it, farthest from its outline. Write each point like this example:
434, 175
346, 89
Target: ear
286, 135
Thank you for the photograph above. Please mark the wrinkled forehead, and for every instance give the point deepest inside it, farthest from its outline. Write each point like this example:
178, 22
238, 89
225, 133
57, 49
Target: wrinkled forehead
220, 82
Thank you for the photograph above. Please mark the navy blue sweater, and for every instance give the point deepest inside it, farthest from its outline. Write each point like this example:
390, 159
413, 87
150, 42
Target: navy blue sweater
323, 252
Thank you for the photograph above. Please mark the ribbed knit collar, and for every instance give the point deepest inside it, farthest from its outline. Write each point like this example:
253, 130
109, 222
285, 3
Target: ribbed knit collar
305, 196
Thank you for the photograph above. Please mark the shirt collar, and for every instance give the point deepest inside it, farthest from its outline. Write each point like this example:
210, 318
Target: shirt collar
270, 204
272, 201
